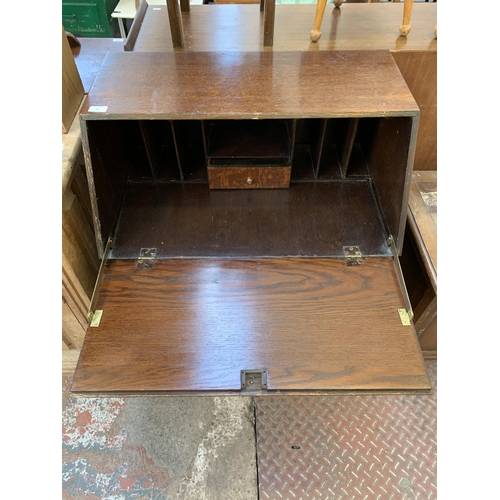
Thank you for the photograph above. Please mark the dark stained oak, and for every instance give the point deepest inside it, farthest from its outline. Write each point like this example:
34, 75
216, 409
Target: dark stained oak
192, 325
419, 69
308, 219
241, 27
90, 54
249, 177
249, 85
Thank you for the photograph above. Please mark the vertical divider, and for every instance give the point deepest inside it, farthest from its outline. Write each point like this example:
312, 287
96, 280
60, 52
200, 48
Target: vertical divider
152, 150
318, 150
292, 124
204, 134
179, 147
153, 153
348, 143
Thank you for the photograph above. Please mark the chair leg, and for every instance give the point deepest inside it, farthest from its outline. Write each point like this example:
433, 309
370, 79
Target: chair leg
406, 27
185, 6
262, 3
337, 3
122, 28
269, 11
175, 20
320, 12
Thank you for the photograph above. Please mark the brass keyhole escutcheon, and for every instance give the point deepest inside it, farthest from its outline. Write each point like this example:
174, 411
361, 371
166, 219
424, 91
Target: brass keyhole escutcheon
249, 180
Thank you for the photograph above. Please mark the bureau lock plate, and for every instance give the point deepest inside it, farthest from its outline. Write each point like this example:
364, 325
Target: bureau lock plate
253, 380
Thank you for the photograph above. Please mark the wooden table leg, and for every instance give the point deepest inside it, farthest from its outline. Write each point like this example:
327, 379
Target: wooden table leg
185, 6
406, 27
320, 11
269, 11
262, 3
175, 20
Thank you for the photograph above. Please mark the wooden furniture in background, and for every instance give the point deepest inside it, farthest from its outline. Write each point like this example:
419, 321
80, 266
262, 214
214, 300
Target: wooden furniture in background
315, 34
72, 88
405, 28
355, 28
179, 18
258, 278
79, 255
89, 56
125, 9
419, 258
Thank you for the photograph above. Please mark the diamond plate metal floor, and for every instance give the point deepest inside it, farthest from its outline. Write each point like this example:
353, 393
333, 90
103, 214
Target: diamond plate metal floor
348, 447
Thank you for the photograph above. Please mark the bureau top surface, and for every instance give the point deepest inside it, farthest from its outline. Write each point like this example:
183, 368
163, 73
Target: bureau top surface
248, 85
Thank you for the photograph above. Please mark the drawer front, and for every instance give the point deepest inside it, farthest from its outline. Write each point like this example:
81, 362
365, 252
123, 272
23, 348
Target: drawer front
249, 177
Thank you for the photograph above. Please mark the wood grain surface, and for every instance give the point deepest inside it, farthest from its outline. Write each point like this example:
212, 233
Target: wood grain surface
249, 85
72, 87
419, 69
91, 53
192, 325
249, 177
240, 27
307, 219
383, 143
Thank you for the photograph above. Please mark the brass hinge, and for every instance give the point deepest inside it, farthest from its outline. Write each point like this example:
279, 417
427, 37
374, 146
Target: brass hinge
253, 380
405, 318
93, 316
406, 315
352, 256
146, 258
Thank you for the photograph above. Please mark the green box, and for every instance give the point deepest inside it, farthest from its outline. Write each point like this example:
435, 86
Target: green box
89, 19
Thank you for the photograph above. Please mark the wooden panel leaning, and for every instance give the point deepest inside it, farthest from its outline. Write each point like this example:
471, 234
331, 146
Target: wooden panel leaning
72, 88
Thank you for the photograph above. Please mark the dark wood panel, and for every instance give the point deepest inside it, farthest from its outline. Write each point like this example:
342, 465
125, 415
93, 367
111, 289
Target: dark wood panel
192, 325
240, 27
307, 219
419, 69
382, 142
249, 139
249, 85
107, 151
90, 54
248, 177
428, 337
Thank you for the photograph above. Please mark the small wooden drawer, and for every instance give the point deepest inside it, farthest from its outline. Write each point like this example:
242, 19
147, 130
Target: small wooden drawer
249, 177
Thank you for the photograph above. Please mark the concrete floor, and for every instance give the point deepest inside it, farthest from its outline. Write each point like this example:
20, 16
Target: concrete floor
158, 448
204, 448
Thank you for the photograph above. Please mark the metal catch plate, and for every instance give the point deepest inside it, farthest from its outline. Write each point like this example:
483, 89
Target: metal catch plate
147, 258
253, 380
352, 255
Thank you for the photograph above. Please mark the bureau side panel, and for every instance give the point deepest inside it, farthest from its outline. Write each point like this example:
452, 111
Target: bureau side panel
389, 146
107, 153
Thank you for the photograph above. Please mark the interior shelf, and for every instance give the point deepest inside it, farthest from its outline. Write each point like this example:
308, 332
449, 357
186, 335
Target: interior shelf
308, 219
249, 139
